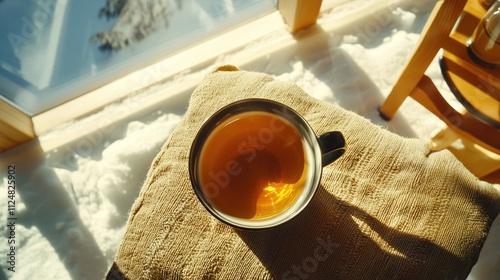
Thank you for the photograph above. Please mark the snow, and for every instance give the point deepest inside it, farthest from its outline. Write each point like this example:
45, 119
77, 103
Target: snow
74, 200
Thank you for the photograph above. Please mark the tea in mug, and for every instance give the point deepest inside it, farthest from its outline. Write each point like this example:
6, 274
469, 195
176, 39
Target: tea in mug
253, 165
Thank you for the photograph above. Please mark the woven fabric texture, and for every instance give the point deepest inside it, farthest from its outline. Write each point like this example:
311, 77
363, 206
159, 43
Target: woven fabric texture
389, 208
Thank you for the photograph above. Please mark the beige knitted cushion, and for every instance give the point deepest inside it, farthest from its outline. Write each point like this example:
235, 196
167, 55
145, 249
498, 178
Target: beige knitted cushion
388, 209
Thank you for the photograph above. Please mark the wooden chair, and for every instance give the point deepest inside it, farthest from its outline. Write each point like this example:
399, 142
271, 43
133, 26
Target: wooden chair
446, 32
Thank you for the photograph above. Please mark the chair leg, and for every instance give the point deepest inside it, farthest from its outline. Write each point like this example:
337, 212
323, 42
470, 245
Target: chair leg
479, 161
443, 139
434, 35
299, 14
391, 105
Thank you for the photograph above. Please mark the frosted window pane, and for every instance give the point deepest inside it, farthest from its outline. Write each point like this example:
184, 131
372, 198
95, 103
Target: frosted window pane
52, 51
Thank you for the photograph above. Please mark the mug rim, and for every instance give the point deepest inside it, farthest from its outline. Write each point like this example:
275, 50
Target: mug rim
262, 105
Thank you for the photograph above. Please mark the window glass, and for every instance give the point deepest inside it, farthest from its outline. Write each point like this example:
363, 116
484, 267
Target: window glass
52, 51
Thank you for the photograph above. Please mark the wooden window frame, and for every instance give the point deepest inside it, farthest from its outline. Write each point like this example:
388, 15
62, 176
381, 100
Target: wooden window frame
17, 128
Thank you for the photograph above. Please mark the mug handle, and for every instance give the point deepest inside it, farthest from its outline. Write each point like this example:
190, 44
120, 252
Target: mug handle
332, 145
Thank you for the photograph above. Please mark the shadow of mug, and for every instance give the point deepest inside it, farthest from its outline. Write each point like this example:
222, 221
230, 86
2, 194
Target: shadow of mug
332, 239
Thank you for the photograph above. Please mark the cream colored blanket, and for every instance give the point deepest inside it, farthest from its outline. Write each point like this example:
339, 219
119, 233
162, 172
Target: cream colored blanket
388, 209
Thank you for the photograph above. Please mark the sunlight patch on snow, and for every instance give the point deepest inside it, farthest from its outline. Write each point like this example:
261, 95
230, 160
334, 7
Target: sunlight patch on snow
308, 82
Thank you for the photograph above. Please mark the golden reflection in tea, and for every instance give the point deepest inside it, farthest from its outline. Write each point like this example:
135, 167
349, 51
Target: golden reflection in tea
253, 165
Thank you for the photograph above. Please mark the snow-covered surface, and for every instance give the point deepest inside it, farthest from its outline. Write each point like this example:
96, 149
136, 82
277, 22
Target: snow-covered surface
73, 202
